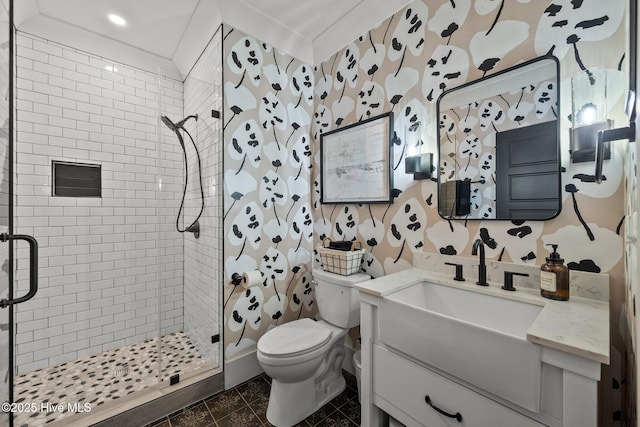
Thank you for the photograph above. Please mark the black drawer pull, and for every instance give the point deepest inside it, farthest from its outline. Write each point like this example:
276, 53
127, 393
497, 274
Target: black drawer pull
457, 415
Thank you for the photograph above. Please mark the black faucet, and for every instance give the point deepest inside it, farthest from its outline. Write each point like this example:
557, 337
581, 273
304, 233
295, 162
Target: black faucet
482, 267
508, 280
458, 277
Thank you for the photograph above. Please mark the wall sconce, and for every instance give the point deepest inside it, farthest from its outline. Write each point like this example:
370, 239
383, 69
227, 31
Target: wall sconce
588, 114
591, 131
416, 162
421, 165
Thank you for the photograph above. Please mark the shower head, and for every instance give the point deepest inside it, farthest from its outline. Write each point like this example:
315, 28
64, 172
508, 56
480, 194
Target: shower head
167, 121
175, 126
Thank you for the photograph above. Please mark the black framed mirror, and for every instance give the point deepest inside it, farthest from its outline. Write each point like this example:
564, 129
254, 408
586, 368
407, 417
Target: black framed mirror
499, 145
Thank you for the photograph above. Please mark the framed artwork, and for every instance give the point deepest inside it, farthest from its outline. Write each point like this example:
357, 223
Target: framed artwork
355, 162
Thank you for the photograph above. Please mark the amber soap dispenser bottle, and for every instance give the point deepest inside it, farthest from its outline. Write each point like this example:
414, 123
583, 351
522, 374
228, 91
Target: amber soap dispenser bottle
554, 277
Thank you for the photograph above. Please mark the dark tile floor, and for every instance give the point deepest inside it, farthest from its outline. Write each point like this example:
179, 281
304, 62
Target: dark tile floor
246, 406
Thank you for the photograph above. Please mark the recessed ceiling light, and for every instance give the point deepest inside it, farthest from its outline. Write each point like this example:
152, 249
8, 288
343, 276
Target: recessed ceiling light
117, 19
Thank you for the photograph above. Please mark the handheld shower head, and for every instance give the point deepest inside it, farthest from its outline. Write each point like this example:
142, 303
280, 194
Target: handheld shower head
175, 126
167, 121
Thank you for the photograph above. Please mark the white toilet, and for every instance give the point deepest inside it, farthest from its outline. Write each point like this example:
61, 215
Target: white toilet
304, 357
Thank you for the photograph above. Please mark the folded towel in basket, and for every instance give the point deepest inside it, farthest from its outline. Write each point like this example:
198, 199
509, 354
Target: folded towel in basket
341, 246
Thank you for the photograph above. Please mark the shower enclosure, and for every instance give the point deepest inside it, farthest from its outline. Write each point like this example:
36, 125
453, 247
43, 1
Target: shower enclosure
128, 308
5, 206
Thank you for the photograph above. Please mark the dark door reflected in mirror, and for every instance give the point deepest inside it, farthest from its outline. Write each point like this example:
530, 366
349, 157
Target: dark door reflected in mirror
499, 146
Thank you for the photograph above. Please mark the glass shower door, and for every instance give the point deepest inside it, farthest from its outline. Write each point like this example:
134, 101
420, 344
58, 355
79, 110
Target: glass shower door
5, 183
8, 240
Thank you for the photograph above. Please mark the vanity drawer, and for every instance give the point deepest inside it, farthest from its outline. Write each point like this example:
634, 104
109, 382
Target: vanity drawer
404, 384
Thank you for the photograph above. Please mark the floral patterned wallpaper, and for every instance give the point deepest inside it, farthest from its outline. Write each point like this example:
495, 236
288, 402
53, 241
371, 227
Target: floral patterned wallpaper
276, 108
405, 63
268, 101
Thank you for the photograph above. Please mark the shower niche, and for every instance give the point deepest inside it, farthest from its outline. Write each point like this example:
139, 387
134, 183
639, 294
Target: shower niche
76, 179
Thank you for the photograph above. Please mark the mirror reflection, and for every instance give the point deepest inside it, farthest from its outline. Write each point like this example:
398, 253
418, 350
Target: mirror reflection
499, 155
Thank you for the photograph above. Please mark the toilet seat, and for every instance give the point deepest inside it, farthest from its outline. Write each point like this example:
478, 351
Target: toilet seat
294, 339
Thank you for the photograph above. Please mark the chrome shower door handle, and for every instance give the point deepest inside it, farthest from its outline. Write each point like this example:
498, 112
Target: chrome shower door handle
33, 268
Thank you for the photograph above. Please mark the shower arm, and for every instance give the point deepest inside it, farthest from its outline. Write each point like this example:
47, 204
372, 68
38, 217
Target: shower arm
181, 123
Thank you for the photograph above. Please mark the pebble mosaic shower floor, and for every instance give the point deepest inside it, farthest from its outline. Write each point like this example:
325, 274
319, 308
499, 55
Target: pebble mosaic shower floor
99, 379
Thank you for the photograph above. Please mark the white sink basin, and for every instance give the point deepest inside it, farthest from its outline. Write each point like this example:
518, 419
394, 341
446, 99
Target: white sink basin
476, 337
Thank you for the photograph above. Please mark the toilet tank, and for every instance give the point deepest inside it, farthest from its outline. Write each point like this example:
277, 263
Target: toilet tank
338, 300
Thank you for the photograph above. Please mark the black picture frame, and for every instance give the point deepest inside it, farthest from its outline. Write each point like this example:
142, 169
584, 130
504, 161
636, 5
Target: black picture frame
356, 162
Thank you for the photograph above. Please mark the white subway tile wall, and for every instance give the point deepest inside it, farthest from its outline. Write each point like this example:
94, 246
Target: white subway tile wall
98, 257
203, 256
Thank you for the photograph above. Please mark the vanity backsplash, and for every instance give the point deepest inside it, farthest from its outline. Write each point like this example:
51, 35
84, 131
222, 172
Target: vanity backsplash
582, 284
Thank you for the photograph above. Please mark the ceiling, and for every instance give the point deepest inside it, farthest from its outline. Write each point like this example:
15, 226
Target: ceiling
172, 33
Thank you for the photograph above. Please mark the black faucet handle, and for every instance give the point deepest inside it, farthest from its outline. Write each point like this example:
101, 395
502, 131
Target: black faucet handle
508, 280
459, 277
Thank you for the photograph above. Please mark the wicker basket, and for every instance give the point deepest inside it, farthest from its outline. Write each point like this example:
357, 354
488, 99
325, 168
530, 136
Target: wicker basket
340, 262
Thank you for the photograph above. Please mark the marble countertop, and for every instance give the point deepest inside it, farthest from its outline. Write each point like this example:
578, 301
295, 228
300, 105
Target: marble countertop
579, 326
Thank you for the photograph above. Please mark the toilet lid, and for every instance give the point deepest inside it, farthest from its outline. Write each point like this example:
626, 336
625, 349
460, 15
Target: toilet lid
290, 339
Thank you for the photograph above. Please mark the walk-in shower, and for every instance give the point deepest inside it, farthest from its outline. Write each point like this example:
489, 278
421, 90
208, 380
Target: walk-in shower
127, 309
194, 227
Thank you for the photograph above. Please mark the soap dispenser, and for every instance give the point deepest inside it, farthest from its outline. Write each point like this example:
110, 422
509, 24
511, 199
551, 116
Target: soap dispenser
554, 277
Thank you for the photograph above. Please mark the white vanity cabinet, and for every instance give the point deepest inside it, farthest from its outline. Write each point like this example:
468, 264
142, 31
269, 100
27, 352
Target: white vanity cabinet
402, 387
415, 393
